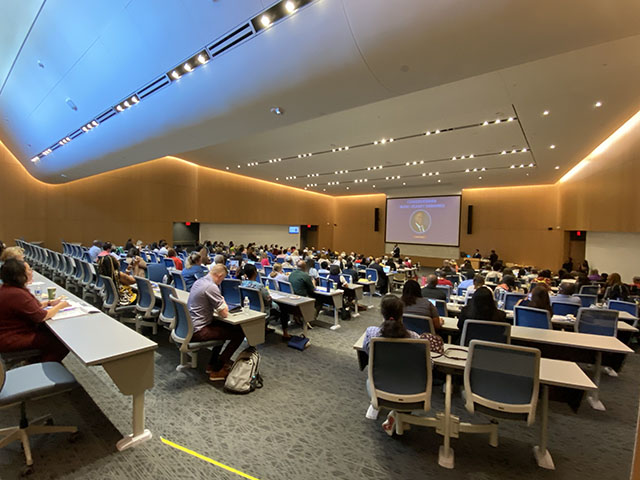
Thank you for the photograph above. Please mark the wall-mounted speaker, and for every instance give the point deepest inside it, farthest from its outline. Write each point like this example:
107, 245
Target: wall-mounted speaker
376, 219
469, 219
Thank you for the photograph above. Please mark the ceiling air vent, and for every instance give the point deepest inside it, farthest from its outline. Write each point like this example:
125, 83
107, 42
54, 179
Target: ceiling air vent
103, 117
231, 40
153, 87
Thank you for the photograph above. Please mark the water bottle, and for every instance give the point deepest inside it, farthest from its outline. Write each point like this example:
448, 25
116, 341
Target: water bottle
245, 308
37, 291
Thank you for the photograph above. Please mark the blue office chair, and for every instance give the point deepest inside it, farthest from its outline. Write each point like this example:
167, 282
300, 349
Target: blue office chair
371, 274
502, 380
498, 332
287, 269
587, 300
168, 262
511, 298
441, 306
285, 287
88, 285
619, 305
178, 280
182, 334
325, 283
461, 291
157, 272
347, 278
447, 290
597, 321
564, 308
111, 302
147, 313
123, 266
256, 302
267, 270
531, 317
167, 315
32, 382
418, 323
230, 292
589, 289
153, 257
279, 260
272, 283
453, 279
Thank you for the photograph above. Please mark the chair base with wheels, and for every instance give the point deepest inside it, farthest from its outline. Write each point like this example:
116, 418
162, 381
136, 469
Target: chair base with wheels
189, 351
29, 383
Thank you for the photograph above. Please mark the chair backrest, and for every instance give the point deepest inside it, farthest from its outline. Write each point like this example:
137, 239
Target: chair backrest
156, 272
589, 289
418, 323
167, 312
371, 274
498, 332
230, 291
183, 326
326, 283
453, 278
87, 275
111, 297
285, 286
280, 260
441, 305
502, 378
256, 302
123, 265
287, 269
511, 298
564, 308
597, 321
620, 306
531, 317
146, 297
347, 278
587, 299
447, 290
400, 373
178, 280
168, 262
272, 283
461, 291
268, 269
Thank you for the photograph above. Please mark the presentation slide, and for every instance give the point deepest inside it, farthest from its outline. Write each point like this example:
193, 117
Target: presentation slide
426, 220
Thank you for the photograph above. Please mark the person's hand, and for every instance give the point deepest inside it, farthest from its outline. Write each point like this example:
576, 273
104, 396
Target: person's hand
55, 302
63, 304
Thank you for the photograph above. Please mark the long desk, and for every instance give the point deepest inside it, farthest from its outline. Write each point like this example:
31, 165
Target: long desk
553, 373
305, 306
127, 357
564, 345
251, 322
335, 297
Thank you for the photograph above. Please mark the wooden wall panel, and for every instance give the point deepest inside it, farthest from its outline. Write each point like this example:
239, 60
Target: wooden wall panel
514, 221
354, 217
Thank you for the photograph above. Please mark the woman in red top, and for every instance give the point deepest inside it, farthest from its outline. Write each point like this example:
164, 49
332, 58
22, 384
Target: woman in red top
22, 316
176, 260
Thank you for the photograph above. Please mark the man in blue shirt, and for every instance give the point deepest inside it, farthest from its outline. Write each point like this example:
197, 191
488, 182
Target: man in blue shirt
270, 307
95, 250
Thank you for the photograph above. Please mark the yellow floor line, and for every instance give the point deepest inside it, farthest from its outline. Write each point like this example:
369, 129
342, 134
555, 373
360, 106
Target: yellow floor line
207, 459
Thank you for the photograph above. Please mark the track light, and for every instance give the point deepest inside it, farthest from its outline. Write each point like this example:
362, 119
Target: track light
265, 21
290, 6
175, 75
187, 67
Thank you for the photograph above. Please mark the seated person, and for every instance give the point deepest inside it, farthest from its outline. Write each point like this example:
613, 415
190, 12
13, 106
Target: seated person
478, 281
431, 291
481, 306
415, 304
565, 294
278, 274
477, 254
324, 268
137, 266
594, 276
495, 275
271, 308
349, 270
22, 316
110, 267
615, 289
206, 304
336, 277
302, 284
177, 261
446, 268
467, 270
544, 277
383, 281
12, 252
287, 262
442, 280
264, 259
194, 270
311, 269
538, 298
508, 284
635, 286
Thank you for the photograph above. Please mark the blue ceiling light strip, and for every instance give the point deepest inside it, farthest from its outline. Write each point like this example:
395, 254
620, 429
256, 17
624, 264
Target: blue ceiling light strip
222, 44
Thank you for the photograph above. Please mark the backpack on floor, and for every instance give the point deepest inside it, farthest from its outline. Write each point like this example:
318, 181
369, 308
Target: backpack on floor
244, 376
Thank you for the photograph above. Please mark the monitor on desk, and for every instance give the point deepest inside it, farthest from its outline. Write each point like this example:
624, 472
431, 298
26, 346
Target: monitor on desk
433, 301
386, 269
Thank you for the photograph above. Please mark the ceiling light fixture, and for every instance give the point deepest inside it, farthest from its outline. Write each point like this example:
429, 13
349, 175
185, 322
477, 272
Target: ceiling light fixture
598, 104
187, 67
545, 113
265, 21
290, 6
175, 75
552, 147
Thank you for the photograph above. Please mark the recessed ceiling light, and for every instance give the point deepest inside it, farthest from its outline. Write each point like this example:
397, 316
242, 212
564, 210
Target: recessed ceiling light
290, 6
479, 178
202, 59
598, 104
510, 119
403, 183
557, 167
35, 159
438, 180
552, 147
188, 67
265, 20
485, 123
175, 74
545, 113
277, 110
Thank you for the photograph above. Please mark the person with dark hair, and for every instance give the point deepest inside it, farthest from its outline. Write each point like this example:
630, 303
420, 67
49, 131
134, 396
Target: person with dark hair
432, 291
128, 245
477, 254
349, 270
194, 270
565, 294
270, 307
481, 306
177, 261
391, 308
508, 283
106, 249
615, 289
163, 250
415, 304
383, 281
324, 268
493, 258
581, 280
467, 270
110, 267
336, 277
538, 298
22, 316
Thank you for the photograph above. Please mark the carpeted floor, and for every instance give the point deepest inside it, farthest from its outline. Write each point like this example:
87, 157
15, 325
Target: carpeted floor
307, 423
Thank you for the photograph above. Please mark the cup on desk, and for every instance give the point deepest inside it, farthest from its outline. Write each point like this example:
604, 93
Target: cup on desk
51, 293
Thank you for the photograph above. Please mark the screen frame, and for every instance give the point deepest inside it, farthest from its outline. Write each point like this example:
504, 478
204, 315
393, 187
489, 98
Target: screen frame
294, 227
386, 211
